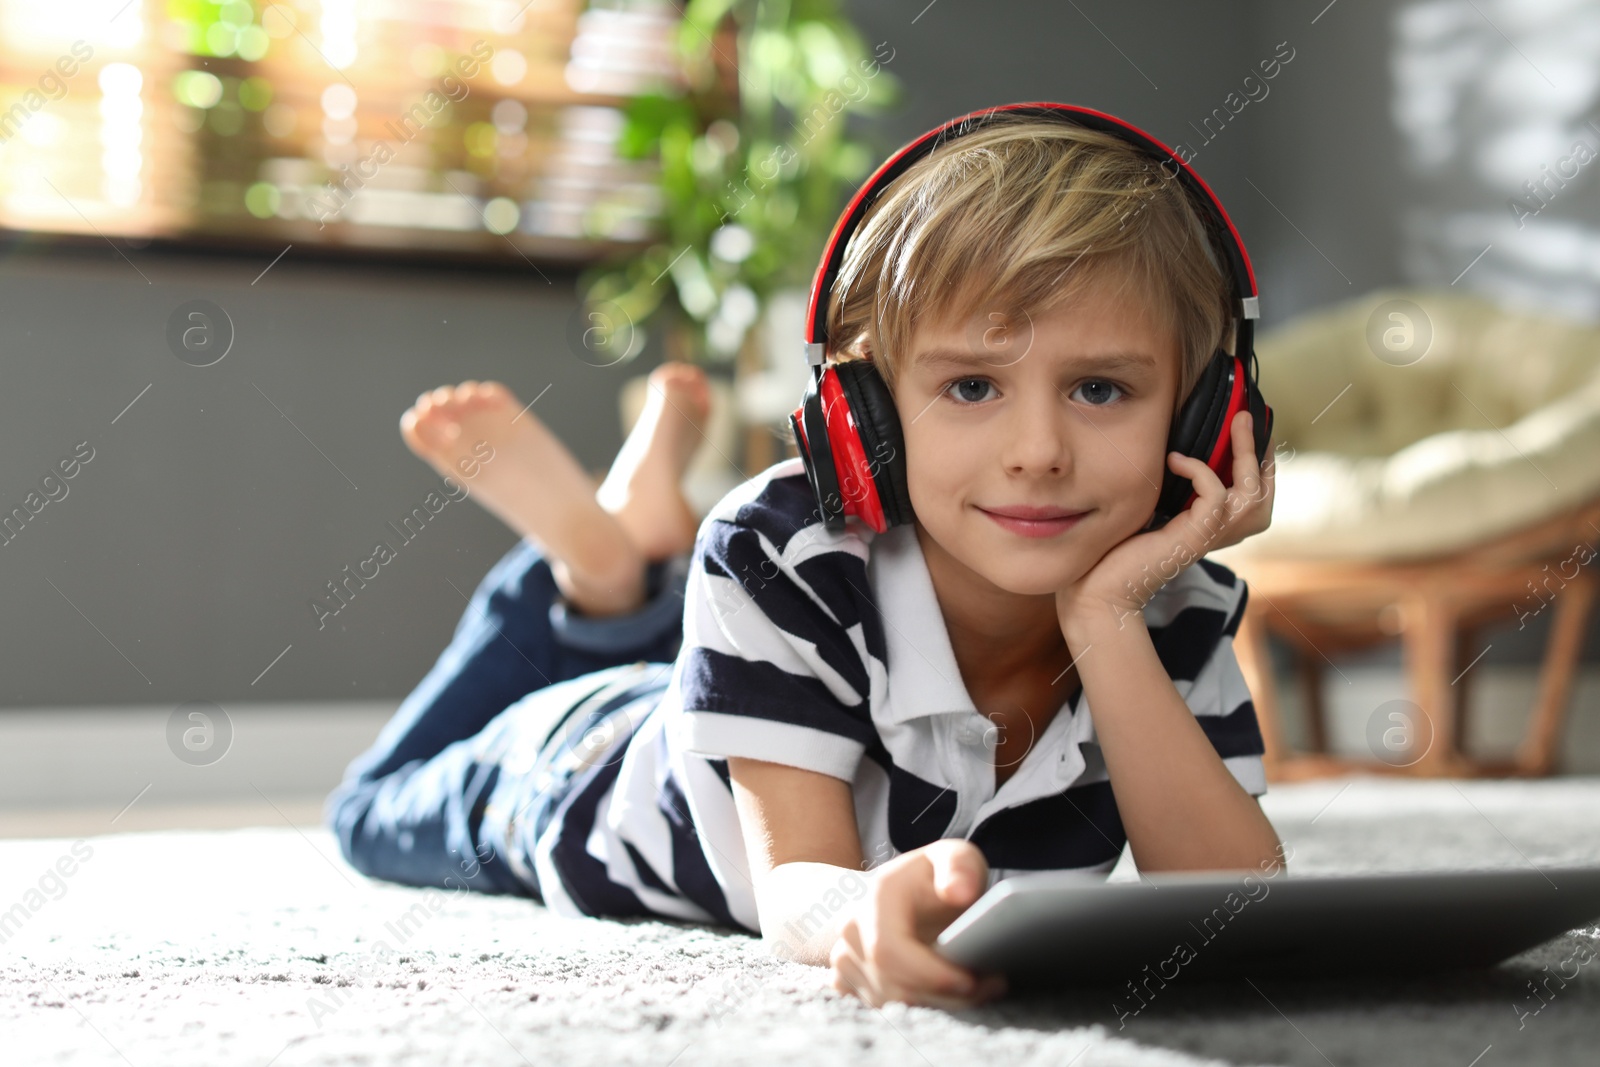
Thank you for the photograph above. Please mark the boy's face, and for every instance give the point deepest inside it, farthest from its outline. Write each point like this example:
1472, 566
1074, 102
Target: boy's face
1021, 415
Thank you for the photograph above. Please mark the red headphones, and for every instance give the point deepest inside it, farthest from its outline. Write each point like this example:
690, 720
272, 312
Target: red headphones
846, 427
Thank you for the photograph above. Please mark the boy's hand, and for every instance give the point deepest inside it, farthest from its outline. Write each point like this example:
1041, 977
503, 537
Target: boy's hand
883, 953
1220, 516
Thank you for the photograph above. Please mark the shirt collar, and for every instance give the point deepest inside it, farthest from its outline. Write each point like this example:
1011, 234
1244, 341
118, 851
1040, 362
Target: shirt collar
923, 676
924, 679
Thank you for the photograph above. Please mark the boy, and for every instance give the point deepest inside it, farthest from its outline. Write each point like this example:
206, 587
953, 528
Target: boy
917, 703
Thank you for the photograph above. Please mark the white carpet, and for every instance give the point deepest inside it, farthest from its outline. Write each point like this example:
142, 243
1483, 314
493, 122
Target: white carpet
257, 947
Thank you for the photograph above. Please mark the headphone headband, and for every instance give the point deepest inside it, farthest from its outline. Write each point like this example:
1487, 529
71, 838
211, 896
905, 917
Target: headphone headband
1246, 302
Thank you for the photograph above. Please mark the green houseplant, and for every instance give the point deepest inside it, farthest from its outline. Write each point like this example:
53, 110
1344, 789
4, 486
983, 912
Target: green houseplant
756, 162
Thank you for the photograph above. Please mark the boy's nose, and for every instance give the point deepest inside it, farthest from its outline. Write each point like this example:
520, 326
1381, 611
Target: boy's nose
1039, 437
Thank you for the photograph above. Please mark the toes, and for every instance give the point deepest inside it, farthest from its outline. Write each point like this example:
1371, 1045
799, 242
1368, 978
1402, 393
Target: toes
487, 395
673, 373
435, 421
698, 398
703, 397
423, 430
432, 422
686, 385
436, 433
685, 373
408, 429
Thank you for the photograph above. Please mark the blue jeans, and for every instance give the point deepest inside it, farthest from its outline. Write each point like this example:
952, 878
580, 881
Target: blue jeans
411, 808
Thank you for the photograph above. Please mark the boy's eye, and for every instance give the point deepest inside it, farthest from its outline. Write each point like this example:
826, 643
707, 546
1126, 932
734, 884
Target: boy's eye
1098, 392
962, 387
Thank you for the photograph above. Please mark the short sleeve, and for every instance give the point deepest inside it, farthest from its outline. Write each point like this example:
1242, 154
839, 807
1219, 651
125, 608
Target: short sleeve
772, 665
1223, 706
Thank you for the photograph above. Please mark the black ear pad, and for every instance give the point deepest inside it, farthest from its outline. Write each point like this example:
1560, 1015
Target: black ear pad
1260, 414
1194, 431
817, 457
878, 425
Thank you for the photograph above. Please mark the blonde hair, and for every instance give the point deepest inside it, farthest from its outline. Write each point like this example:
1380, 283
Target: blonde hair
1019, 216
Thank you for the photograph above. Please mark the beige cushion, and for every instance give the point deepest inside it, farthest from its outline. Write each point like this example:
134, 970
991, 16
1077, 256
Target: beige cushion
1495, 427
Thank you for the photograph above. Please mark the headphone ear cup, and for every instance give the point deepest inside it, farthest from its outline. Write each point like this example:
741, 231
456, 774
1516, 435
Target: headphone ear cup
878, 425
1194, 432
816, 454
1261, 418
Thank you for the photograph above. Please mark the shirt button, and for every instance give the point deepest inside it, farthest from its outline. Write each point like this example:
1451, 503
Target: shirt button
977, 731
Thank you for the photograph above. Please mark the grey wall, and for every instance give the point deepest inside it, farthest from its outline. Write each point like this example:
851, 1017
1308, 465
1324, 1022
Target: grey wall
1317, 150
207, 520
205, 523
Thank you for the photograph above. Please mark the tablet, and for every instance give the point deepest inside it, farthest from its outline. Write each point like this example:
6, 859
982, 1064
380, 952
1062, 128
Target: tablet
1065, 927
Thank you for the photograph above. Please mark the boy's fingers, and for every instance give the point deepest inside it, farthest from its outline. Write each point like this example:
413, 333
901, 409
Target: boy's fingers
943, 1003
1246, 468
916, 966
960, 873
987, 990
906, 898
995, 988
902, 889
845, 962
850, 935
848, 979
1207, 486
1210, 519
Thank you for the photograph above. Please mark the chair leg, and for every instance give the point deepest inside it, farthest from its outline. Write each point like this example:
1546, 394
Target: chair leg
1311, 689
1430, 649
1255, 663
1537, 754
1466, 653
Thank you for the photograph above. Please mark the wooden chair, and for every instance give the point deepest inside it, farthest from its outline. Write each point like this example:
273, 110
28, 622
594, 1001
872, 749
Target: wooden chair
1433, 607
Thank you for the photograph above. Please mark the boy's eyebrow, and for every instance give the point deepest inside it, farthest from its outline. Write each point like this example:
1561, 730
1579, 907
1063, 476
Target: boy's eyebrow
1102, 361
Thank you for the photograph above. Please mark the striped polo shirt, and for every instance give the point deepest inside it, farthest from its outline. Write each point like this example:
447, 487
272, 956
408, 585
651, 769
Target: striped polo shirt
827, 650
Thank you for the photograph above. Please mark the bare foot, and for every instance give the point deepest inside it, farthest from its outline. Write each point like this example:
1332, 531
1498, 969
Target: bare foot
479, 435
642, 489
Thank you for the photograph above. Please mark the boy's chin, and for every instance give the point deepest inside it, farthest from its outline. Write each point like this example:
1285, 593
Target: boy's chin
1035, 570
1024, 580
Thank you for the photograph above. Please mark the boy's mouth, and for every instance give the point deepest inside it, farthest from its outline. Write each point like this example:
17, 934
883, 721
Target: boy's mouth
1034, 521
